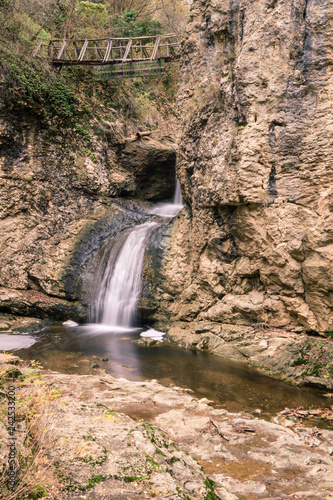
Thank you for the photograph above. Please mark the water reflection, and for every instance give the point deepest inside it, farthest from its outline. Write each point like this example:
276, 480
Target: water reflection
13, 342
229, 384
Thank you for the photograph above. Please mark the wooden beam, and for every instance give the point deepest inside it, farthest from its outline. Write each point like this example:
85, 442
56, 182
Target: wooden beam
50, 50
157, 42
170, 35
131, 70
75, 50
62, 48
127, 50
83, 50
108, 50
39, 46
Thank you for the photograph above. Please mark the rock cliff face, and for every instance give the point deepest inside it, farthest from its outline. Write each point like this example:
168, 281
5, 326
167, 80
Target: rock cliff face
254, 244
58, 205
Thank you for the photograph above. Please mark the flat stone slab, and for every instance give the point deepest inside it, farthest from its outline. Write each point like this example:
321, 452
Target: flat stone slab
112, 438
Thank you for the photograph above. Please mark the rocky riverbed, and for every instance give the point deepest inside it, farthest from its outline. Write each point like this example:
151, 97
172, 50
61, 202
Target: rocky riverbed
297, 358
97, 436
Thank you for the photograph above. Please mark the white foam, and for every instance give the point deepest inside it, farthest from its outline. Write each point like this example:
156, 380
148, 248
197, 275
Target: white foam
166, 209
69, 322
153, 334
97, 328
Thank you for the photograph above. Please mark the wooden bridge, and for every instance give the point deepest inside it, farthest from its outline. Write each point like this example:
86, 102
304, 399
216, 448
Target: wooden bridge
113, 57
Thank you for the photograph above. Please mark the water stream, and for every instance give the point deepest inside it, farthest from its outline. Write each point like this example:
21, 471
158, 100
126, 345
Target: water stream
229, 384
107, 342
119, 275
170, 209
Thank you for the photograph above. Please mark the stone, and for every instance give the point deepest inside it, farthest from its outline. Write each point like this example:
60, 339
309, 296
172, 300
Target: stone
152, 165
57, 206
254, 241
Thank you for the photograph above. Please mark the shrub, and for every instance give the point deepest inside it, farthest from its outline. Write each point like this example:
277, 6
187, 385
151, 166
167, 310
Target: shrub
30, 84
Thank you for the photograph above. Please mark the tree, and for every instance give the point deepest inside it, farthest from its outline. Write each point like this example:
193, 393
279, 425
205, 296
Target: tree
121, 6
127, 24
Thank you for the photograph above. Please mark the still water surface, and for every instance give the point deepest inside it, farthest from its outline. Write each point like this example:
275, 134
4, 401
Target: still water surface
229, 384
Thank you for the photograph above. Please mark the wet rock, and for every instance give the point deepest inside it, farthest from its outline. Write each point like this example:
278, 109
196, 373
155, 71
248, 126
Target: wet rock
279, 353
147, 342
152, 164
40, 305
22, 324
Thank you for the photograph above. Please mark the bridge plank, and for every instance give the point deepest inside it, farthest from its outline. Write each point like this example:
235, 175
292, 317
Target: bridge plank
108, 50
157, 42
75, 50
37, 49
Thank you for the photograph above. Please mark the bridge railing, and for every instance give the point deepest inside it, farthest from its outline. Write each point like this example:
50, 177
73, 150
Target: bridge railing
101, 51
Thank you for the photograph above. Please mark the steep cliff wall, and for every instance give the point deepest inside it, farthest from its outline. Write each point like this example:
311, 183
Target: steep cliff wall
60, 201
254, 245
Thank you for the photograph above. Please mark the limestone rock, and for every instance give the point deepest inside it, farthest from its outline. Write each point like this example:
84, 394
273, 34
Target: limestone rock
255, 160
57, 205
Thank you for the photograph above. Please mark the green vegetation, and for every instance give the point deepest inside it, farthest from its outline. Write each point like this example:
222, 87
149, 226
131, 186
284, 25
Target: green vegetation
70, 485
92, 481
315, 369
93, 462
132, 479
211, 495
70, 96
34, 476
28, 84
128, 24
156, 438
172, 460
301, 360
38, 492
313, 358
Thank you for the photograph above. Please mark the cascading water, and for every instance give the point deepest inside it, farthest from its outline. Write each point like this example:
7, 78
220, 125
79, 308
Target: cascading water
170, 209
120, 269
121, 283
178, 199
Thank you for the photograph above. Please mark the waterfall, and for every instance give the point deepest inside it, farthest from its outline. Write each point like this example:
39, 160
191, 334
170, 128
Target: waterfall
121, 281
178, 199
118, 276
170, 209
